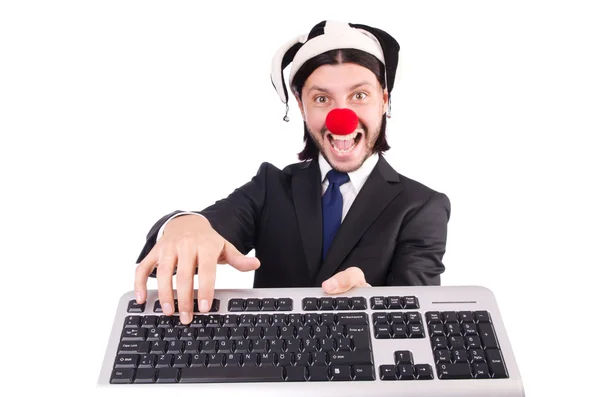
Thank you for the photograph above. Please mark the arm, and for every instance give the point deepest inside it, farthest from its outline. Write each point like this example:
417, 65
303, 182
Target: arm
234, 218
422, 245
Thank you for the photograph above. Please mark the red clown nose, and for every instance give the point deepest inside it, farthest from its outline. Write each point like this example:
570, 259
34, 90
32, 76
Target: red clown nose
341, 121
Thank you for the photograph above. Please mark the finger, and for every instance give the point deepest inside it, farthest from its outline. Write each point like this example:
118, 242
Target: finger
164, 275
207, 271
186, 264
238, 260
345, 280
142, 272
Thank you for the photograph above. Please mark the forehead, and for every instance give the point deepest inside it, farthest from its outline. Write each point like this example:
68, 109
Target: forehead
340, 77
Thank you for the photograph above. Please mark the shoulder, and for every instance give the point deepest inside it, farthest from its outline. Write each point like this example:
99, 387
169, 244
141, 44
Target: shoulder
415, 190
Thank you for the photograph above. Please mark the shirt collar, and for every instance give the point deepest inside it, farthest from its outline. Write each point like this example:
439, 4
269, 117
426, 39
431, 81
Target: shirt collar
358, 177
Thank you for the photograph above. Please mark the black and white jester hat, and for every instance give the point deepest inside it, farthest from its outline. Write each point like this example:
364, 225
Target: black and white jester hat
332, 35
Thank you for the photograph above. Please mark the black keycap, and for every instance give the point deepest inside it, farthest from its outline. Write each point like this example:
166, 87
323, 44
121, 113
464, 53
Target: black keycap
488, 336
496, 363
480, 370
405, 372
454, 371
318, 373
359, 303
363, 372
134, 307
443, 356
168, 375
383, 331
146, 375
353, 319
394, 302
433, 317
232, 374
482, 316
342, 304
423, 371
252, 305
450, 317
416, 331
213, 308
356, 357
236, 305
126, 361
326, 303
309, 304
295, 374
403, 357
284, 304
122, 375
377, 302
387, 372
340, 372
410, 302
268, 304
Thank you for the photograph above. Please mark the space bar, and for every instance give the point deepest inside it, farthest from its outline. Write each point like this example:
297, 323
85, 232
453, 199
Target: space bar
231, 374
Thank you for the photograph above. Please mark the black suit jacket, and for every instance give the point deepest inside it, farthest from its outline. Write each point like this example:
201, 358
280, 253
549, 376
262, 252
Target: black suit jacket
395, 230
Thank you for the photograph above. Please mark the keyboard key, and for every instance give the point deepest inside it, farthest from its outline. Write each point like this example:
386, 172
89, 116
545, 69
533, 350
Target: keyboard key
359, 303
454, 371
284, 304
134, 307
295, 374
351, 358
488, 336
232, 374
378, 302
168, 375
403, 357
423, 371
340, 372
326, 303
405, 372
268, 304
146, 375
496, 364
122, 375
309, 304
353, 319
410, 302
252, 305
363, 372
236, 305
387, 372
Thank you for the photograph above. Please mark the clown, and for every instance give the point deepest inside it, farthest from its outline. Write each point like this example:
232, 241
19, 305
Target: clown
341, 218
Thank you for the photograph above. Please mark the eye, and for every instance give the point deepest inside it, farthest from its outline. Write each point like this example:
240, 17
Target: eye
321, 99
360, 95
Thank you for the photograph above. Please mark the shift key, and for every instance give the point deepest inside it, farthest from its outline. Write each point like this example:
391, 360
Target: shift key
356, 357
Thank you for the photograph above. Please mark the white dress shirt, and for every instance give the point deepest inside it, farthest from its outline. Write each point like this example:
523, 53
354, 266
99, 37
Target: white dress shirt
348, 190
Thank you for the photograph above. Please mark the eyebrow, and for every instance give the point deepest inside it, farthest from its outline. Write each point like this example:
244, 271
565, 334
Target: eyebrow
355, 86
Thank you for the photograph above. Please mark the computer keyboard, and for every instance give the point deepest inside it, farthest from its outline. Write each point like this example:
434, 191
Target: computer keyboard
373, 341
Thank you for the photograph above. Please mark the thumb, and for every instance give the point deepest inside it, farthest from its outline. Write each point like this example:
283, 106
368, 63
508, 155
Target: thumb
235, 258
345, 280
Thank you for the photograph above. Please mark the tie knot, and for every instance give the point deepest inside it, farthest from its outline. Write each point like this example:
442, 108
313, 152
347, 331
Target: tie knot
338, 178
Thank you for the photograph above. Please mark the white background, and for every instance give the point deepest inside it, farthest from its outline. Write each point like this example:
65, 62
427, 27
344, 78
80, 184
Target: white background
114, 113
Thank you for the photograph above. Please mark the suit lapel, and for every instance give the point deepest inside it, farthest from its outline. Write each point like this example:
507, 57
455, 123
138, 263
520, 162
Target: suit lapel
306, 192
378, 191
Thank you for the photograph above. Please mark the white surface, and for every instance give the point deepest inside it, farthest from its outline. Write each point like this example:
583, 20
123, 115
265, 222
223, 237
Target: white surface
115, 113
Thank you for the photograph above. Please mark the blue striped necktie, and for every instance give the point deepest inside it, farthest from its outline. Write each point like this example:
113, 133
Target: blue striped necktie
332, 208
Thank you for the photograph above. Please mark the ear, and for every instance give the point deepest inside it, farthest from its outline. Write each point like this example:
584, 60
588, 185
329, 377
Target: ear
386, 101
300, 106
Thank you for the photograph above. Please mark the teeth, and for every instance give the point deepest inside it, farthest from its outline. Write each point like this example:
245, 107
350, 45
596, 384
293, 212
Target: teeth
344, 137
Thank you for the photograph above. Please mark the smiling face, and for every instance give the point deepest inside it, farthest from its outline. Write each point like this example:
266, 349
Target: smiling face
345, 85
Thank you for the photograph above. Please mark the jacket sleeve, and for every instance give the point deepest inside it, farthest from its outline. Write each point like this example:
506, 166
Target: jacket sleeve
422, 245
235, 217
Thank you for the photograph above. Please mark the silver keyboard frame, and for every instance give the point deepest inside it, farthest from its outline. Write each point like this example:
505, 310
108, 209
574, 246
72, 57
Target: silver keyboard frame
431, 298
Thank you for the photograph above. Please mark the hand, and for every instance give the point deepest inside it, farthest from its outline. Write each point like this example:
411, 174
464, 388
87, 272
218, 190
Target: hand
188, 242
345, 280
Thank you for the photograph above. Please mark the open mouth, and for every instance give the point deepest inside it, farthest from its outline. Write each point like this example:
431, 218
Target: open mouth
344, 143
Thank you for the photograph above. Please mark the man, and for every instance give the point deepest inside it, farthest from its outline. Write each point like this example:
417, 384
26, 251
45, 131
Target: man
341, 218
